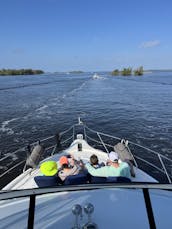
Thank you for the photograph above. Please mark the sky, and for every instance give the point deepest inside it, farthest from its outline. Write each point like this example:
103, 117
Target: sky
88, 35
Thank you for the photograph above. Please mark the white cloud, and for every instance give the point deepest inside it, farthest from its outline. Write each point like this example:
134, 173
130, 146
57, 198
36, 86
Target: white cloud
150, 44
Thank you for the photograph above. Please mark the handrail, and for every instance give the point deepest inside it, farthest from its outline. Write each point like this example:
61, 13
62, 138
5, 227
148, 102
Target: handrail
65, 131
153, 151
10, 155
92, 139
6, 156
105, 145
149, 163
143, 147
164, 168
85, 134
107, 135
102, 142
12, 168
133, 143
45, 139
71, 137
4, 195
132, 154
54, 150
24, 148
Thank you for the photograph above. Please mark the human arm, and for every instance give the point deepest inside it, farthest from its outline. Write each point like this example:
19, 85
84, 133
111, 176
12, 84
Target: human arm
125, 170
102, 172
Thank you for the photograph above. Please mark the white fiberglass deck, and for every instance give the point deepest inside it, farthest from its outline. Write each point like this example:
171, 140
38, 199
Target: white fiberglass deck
26, 179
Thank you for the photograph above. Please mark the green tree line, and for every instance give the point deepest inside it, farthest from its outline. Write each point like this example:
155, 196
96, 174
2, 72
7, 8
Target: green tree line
128, 72
4, 72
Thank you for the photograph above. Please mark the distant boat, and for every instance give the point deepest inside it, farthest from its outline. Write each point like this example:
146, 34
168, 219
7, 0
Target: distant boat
96, 76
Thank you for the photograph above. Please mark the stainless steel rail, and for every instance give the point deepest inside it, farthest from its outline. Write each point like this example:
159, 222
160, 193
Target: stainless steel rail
100, 141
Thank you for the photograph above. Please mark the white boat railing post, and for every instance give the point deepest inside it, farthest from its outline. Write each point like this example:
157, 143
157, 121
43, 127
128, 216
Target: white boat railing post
85, 134
79, 121
103, 143
54, 150
162, 163
73, 136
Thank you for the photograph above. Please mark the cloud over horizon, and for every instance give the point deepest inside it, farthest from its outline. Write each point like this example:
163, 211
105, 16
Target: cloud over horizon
150, 44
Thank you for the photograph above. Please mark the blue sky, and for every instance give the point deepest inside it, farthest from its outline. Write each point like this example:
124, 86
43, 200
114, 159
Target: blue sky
89, 35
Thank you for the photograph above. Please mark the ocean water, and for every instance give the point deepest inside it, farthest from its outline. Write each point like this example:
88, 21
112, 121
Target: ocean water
135, 108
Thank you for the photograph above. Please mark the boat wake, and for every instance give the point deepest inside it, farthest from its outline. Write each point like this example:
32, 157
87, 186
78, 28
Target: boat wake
41, 109
69, 94
97, 77
145, 81
28, 85
5, 128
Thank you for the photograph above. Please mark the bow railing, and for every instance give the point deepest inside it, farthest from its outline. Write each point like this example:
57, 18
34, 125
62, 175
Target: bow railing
148, 160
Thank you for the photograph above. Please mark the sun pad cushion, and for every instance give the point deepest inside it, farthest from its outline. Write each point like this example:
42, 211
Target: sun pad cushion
117, 180
81, 178
46, 181
99, 180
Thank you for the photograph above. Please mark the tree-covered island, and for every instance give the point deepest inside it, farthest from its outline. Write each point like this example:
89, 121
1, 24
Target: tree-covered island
128, 72
76, 72
5, 72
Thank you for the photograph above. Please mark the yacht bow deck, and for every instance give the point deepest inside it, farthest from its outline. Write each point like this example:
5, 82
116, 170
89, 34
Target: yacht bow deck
26, 180
102, 145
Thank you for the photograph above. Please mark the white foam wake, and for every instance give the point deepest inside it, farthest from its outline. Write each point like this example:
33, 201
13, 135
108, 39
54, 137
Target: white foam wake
69, 93
41, 109
5, 128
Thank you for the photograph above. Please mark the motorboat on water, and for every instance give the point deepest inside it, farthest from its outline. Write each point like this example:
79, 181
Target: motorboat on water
96, 76
145, 202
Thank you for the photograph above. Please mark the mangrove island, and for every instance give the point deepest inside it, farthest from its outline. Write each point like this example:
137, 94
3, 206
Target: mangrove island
128, 72
76, 72
5, 72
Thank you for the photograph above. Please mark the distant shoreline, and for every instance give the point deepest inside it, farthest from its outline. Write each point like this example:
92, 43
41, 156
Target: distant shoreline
15, 72
160, 70
20, 72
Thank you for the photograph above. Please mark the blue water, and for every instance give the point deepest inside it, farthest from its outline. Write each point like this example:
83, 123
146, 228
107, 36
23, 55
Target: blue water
135, 108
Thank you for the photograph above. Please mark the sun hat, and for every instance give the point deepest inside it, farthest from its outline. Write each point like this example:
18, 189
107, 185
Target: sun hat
113, 156
49, 168
63, 160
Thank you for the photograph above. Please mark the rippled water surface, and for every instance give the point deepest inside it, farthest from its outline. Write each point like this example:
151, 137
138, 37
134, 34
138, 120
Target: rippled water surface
135, 108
